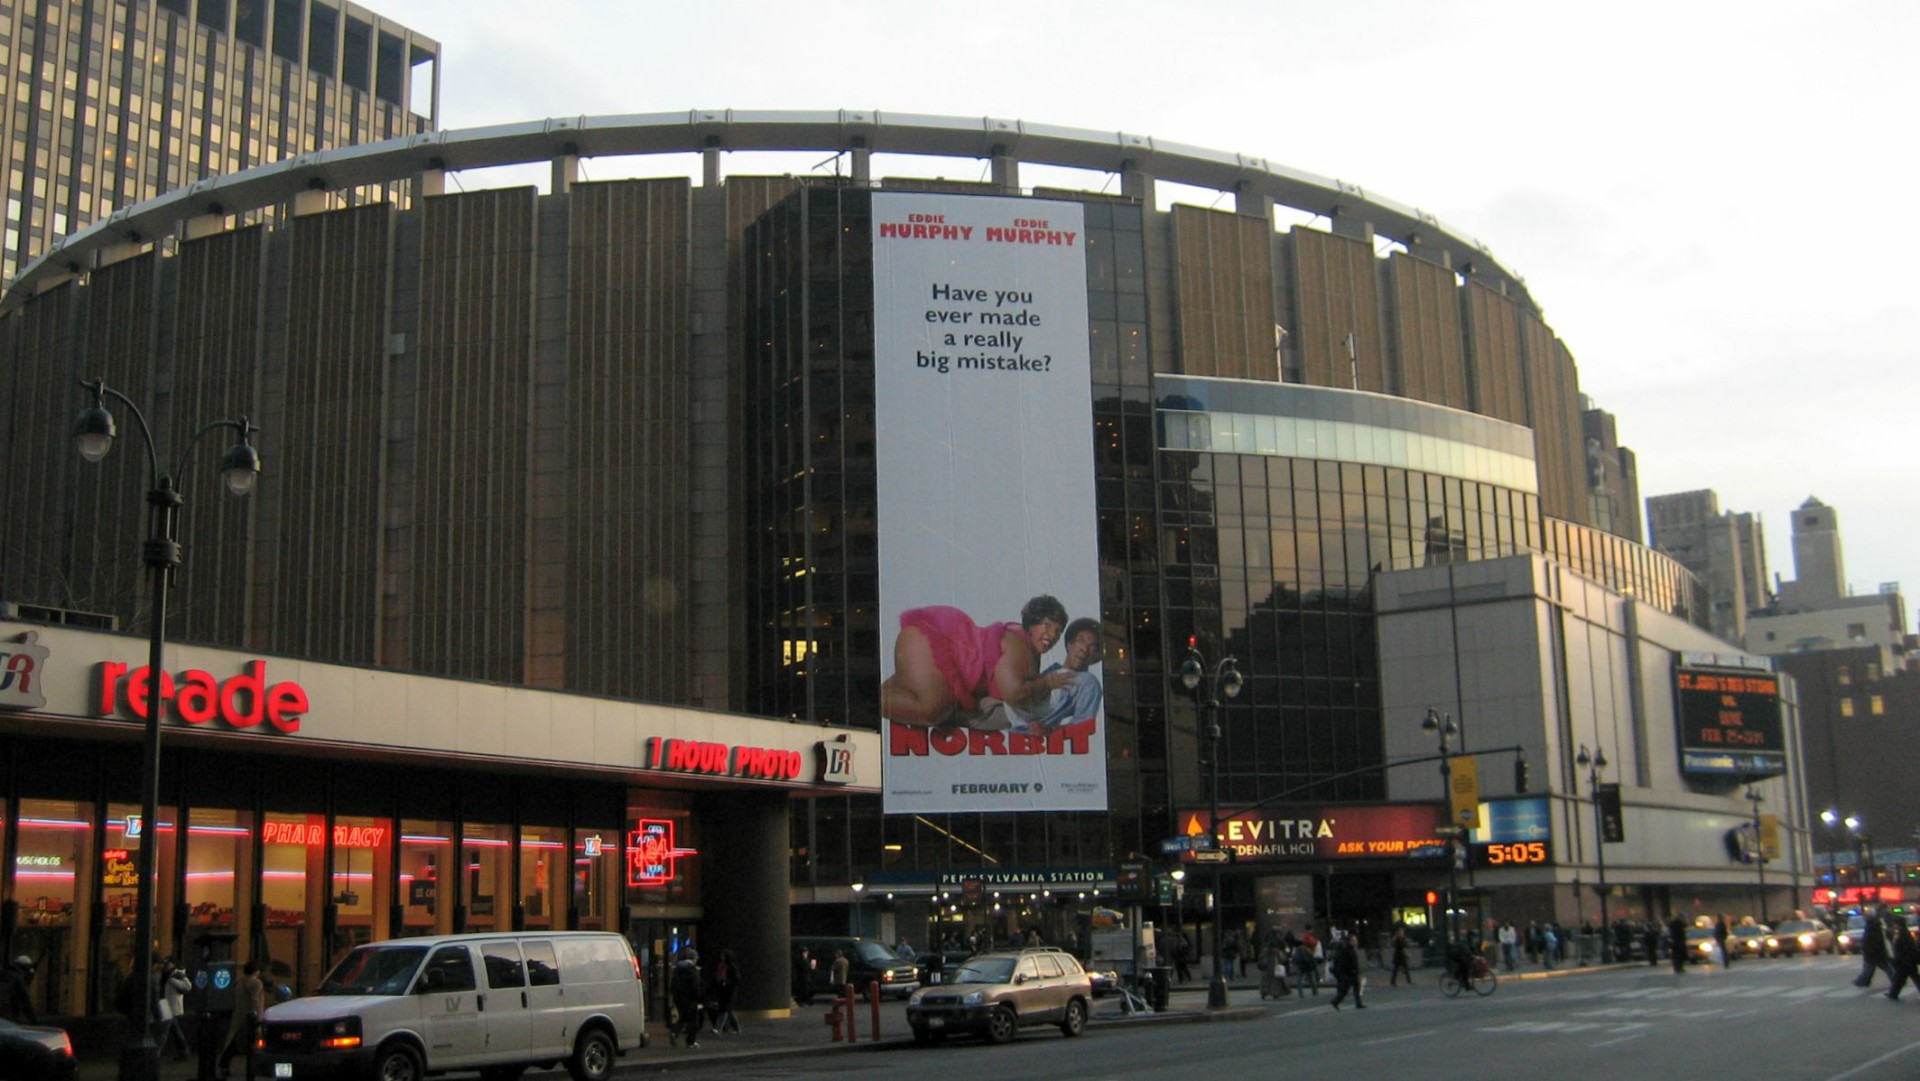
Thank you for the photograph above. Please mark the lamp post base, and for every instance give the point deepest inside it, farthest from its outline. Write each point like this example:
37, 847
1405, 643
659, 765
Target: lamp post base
140, 1060
1217, 992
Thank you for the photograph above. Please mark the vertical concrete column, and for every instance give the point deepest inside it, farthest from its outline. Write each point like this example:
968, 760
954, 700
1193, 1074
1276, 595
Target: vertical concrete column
1006, 171
1350, 224
710, 163
1252, 203
744, 895
566, 173
1136, 184
430, 182
862, 163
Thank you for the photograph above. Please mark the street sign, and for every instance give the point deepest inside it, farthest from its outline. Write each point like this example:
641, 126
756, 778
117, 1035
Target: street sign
1212, 855
1192, 842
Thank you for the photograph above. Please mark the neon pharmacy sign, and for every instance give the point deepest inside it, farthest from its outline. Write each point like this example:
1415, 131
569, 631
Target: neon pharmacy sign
302, 833
651, 853
722, 759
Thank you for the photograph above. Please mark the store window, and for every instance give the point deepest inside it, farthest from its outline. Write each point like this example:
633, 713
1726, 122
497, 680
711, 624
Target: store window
426, 877
487, 875
662, 850
543, 875
55, 844
597, 867
119, 881
219, 865
360, 888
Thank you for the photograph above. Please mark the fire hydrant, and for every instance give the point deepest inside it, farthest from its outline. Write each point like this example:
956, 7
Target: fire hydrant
833, 1018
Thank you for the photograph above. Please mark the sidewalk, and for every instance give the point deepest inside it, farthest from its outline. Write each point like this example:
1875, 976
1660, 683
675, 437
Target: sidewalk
805, 1031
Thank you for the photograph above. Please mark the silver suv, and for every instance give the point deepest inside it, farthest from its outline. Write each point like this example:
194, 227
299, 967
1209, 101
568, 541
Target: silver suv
995, 994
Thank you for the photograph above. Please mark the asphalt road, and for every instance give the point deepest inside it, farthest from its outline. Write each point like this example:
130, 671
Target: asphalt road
1791, 1019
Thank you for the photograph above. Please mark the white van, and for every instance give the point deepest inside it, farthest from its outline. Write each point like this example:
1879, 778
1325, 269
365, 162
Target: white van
496, 1003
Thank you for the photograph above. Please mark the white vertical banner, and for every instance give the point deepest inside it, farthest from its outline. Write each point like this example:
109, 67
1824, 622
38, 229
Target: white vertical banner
983, 402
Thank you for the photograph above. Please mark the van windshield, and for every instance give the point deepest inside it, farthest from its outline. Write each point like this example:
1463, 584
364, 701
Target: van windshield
875, 954
374, 970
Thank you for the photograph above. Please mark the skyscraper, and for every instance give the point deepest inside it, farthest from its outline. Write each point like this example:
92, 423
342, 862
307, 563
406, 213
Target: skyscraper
107, 105
1819, 571
1726, 551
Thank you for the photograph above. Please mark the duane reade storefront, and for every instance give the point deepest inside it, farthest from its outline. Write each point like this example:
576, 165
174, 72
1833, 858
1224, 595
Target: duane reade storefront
307, 808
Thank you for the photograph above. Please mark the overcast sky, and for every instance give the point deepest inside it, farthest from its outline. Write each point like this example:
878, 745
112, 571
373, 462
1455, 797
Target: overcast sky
1691, 190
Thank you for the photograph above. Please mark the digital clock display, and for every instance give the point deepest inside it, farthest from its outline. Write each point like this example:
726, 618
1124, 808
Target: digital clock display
1509, 854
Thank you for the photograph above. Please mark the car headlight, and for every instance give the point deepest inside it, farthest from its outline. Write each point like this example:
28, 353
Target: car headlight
974, 998
1773, 942
1807, 941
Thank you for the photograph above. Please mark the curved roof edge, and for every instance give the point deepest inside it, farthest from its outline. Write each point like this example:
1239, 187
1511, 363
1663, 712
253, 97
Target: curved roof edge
750, 130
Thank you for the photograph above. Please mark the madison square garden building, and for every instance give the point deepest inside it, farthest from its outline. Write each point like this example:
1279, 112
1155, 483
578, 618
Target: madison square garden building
745, 450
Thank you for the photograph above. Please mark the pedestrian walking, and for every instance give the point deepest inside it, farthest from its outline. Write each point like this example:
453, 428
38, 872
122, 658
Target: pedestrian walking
1305, 969
1272, 964
841, 973
726, 984
1400, 957
1230, 952
1549, 943
1650, 941
1182, 957
1677, 943
1906, 957
249, 1002
1509, 945
16, 992
1873, 949
1346, 972
171, 985
684, 986
1720, 941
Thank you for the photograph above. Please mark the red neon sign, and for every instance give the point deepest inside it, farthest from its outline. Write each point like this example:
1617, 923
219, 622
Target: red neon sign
722, 759
1857, 895
242, 701
311, 834
651, 853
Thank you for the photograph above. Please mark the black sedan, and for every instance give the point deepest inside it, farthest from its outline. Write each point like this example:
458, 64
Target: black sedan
35, 1053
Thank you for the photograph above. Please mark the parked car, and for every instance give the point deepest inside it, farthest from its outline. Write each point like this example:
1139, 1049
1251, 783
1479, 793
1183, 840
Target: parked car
869, 962
497, 1003
997, 994
1801, 936
938, 966
1849, 939
1105, 981
1748, 940
35, 1053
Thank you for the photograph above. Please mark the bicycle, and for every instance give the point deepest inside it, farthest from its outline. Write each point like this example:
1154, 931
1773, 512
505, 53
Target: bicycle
1480, 977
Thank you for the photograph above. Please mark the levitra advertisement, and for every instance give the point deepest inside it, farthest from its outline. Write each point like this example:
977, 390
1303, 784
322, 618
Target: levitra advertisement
991, 688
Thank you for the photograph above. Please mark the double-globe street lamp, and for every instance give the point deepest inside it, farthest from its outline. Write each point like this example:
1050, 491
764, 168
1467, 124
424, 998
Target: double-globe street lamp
94, 432
1835, 820
1593, 764
1224, 680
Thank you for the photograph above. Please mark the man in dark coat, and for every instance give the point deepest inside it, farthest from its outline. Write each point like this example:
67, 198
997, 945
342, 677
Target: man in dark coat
16, 992
1906, 957
1873, 950
684, 986
1677, 943
1346, 972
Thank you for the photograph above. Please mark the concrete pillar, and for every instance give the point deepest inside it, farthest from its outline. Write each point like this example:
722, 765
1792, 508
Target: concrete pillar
1006, 171
1348, 223
862, 165
1136, 185
710, 163
312, 201
430, 182
566, 173
743, 893
1252, 203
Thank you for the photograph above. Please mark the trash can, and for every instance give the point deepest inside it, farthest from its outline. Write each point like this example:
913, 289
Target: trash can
1157, 985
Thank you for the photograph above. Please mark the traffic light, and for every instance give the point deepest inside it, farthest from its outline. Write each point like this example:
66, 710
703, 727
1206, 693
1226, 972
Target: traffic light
1520, 775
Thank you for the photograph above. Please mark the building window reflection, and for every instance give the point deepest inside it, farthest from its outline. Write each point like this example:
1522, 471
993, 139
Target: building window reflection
486, 875
55, 844
426, 877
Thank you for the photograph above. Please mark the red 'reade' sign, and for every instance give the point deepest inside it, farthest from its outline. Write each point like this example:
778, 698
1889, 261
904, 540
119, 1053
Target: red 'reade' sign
241, 701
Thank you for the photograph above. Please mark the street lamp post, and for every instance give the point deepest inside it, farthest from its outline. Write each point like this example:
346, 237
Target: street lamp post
1593, 764
94, 432
1759, 850
1180, 899
858, 889
1834, 820
1444, 726
1206, 692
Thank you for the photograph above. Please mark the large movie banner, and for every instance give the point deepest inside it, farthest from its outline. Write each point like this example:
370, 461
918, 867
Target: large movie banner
989, 582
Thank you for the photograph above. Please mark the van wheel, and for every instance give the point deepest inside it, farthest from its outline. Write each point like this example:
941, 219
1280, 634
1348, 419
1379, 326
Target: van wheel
1001, 1025
592, 1057
1075, 1021
398, 1063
